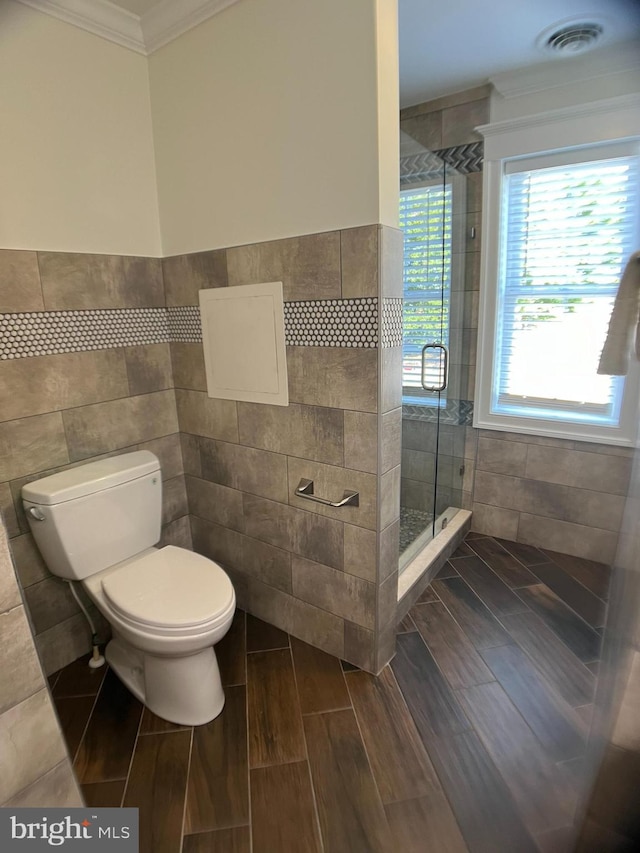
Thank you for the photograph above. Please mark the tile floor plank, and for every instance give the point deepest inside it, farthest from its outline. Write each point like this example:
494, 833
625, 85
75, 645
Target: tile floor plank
283, 813
495, 594
595, 576
275, 724
591, 608
231, 652
527, 554
431, 701
236, 840
261, 636
551, 719
153, 725
504, 564
104, 795
349, 806
157, 786
566, 674
412, 822
73, 713
105, 751
581, 639
534, 781
217, 789
460, 663
78, 679
320, 679
470, 613
406, 625
399, 763
481, 801
447, 571
428, 595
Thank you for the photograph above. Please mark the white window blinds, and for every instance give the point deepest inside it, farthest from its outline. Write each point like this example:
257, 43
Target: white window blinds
569, 225
426, 221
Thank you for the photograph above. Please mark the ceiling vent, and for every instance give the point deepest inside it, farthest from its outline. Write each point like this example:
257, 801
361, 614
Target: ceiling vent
568, 38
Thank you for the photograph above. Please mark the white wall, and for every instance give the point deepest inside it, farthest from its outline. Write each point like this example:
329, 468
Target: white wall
271, 120
77, 166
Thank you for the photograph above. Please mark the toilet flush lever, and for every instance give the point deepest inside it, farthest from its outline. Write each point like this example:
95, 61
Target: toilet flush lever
36, 513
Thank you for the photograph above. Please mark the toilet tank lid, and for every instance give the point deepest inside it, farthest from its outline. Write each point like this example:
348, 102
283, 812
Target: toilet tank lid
90, 478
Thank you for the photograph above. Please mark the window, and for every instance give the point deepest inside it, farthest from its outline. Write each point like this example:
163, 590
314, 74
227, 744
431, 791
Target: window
559, 228
426, 221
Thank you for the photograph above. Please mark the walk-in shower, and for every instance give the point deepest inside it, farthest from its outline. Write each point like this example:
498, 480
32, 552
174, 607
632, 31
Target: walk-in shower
438, 304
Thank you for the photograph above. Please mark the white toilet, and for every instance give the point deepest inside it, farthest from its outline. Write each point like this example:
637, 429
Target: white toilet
167, 607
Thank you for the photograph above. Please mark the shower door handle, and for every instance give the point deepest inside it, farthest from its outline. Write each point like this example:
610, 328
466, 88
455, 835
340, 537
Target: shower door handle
445, 371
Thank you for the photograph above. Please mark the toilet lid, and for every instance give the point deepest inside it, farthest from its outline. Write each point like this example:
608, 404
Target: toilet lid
172, 588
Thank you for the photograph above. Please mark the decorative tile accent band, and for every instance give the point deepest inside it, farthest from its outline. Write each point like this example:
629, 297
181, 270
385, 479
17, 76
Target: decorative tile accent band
323, 323
456, 412
391, 332
53, 332
429, 165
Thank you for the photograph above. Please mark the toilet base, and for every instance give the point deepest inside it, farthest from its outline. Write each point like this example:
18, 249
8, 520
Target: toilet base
183, 690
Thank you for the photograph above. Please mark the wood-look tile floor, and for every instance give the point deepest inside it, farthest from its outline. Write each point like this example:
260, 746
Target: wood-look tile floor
471, 740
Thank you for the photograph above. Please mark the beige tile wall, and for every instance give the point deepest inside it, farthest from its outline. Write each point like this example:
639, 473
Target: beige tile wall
61, 410
328, 576
563, 495
36, 770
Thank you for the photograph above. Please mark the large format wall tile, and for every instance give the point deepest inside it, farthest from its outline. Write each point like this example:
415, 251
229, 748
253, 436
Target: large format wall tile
338, 592
361, 441
359, 258
258, 472
57, 787
33, 386
74, 281
188, 366
199, 414
98, 429
185, 275
19, 282
340, 378
308, 266
20, 673
32, 444
148, 368
214, 502
311, 432
331, 482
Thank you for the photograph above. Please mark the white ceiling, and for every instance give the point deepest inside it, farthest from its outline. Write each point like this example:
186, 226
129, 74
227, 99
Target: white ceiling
446, 46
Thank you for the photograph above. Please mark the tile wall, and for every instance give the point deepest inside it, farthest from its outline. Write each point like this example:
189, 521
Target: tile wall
327, 576
85, 371
36, 770
559, 494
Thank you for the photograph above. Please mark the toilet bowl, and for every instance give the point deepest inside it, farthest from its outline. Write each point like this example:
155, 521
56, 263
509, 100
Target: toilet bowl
99, 524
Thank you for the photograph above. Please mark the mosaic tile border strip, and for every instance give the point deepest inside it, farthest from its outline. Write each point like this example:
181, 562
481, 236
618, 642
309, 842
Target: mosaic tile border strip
456, 413
325, 323
392, 323
428, 166
36, 333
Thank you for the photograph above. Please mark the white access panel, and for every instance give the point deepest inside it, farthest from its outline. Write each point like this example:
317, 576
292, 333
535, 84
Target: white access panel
243, 338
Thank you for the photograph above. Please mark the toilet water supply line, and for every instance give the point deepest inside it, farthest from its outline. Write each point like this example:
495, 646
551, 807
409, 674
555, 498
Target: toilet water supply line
96, 660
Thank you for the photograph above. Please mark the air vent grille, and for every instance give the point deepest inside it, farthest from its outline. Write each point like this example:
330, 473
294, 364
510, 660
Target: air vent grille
574, 38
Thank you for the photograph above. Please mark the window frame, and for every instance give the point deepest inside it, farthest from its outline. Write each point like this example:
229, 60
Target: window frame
558, 131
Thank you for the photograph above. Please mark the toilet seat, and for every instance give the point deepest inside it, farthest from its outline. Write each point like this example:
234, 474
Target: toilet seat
170, 591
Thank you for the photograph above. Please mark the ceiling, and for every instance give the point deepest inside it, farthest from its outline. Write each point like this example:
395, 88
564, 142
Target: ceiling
446, 46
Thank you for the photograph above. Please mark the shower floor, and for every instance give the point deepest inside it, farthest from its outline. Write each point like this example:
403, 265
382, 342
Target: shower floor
412, 523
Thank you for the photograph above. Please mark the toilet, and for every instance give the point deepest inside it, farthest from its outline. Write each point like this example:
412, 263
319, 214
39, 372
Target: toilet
99, 524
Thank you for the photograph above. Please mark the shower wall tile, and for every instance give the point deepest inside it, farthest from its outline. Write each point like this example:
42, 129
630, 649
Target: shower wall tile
361, 441
33, 386
425, 129
391, 255
389, 497
359, 261
459, 121
308, 266
74, 281
148, 368
390, 379
391, 443
576, 539
360, 552
310, 432
188, 366
104, 427
32, 444
185, 275
339, 378
19, 282
495, 521
502, 457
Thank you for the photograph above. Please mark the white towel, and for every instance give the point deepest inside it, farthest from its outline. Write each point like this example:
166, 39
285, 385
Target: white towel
614, 360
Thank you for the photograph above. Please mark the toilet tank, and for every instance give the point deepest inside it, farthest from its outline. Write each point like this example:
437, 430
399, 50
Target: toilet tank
93, 516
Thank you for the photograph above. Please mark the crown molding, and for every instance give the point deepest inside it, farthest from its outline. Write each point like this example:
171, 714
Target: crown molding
162, 23
99, 17
615, 59
169, 19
